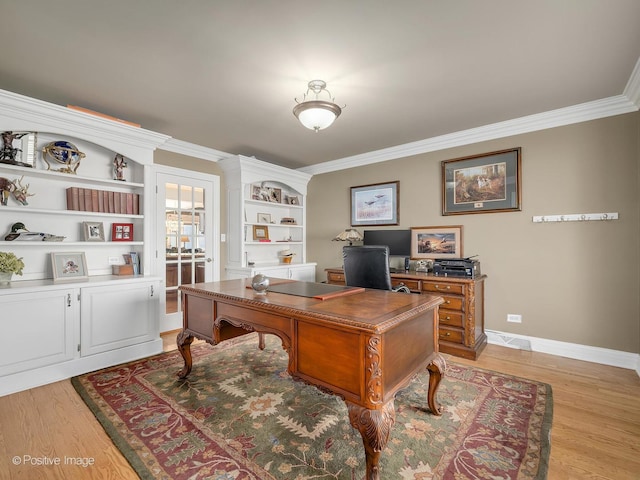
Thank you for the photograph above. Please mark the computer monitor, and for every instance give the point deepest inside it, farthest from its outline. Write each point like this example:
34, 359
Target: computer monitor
398, 241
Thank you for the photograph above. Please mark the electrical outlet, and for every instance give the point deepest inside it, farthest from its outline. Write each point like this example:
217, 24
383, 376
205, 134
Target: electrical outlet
114, 260
514, 318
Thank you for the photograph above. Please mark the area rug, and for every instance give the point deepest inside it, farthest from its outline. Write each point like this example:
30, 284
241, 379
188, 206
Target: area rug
239, 415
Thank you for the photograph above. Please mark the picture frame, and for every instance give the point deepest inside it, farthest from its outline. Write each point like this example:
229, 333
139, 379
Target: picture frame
436, 242
375, 204
260, 232
264, 218
69, 266
486, 183
93, 231
122, 232
292, 200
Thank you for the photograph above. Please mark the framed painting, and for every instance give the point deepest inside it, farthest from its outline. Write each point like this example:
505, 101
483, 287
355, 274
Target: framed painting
436, 242
375, 204
69, 267
260, 233
486, 183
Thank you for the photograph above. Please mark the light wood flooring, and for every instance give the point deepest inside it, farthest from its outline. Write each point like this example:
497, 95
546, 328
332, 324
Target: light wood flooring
595, 434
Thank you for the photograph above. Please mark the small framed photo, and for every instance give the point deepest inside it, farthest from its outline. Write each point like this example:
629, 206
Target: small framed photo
292, 200
69, 267
376, 204
122, 232
436, 242
93, 231
260, 232
264, 218
486, 183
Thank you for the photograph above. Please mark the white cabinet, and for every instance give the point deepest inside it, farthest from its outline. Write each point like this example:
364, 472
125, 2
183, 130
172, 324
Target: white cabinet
118, 315
266, 216
304, 272
58, 331
39, 329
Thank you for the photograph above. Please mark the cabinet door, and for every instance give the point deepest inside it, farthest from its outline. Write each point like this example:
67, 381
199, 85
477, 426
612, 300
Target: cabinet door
117, 316
38, 329
305, 273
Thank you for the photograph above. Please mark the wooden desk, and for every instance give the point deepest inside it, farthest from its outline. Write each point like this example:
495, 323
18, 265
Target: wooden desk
363, 347
461, 315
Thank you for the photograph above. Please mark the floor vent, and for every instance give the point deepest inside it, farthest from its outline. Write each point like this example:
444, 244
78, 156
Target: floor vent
508, 341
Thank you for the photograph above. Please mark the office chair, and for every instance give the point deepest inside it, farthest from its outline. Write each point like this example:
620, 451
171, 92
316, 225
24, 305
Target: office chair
368, 266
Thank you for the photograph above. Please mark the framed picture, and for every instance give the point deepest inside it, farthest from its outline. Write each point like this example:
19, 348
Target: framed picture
260, 232
482, 183
436, 242
93, 231
264, 218
122, 232
69, 267
376, 204
292, 200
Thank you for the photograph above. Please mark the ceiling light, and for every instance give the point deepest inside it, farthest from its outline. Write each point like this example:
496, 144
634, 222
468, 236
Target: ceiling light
316, 114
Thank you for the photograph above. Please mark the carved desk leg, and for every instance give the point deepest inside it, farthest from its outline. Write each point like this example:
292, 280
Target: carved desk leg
374, 427
436, 369
184, 341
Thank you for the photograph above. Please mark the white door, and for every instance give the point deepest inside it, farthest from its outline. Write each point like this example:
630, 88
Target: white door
187, 235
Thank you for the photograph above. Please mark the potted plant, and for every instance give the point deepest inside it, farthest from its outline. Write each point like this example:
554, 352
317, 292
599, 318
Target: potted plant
9, 264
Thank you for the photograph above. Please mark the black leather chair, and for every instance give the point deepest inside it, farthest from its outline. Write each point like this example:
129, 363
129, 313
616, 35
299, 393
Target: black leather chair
368, 266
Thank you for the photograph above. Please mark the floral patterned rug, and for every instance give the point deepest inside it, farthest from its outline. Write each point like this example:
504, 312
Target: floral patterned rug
239, 415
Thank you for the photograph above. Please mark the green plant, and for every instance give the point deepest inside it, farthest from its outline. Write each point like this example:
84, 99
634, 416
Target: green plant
9, 263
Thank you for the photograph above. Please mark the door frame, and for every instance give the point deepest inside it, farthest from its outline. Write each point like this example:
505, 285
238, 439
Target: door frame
156, 244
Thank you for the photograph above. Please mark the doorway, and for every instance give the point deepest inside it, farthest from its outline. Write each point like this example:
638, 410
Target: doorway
187, 235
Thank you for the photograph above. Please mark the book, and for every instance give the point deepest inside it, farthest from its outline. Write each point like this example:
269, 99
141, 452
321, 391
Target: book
88, 204
135, 261
95, 206
81, 199
73, 202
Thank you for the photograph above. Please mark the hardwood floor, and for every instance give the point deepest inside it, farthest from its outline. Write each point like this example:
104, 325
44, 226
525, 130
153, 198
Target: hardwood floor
595, 434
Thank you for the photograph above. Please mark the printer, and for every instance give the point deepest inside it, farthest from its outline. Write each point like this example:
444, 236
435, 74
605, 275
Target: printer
456, 267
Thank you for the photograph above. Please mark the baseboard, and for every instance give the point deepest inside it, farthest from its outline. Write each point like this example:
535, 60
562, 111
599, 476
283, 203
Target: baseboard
37, 377
604, 356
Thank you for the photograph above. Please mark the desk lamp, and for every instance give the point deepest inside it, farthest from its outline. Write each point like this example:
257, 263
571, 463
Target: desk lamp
349, 235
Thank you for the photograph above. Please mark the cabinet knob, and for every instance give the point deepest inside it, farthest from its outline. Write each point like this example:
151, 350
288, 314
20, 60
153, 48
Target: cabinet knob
446, 334
209, 260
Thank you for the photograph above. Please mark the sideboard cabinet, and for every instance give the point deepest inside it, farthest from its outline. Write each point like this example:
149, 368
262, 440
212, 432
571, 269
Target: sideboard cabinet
461, 326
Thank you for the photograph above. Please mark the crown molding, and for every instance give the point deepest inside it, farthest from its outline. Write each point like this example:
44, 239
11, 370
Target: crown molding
607, 107
192, 150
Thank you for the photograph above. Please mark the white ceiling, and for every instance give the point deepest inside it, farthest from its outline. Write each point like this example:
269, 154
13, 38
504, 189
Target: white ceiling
224, 74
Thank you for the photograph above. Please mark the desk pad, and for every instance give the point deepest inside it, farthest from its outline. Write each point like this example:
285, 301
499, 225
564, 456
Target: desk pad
321, 291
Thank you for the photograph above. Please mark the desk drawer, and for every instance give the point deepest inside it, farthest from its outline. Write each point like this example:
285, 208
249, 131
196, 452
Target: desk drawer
451, 335
449, 318
413, 285
443, 287
452, 303
336, 278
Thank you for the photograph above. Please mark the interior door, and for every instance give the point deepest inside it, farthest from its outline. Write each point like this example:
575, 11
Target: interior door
187, 237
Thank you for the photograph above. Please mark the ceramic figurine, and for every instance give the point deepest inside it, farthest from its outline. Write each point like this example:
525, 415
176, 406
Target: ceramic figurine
19, 232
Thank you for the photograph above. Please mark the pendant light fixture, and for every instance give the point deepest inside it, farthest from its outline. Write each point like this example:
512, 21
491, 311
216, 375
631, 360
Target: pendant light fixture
316, 114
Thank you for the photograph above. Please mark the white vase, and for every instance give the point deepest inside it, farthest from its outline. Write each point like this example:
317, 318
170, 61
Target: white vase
5, 278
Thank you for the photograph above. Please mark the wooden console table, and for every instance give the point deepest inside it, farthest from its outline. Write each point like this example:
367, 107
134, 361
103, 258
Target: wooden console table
461, 315
363, 346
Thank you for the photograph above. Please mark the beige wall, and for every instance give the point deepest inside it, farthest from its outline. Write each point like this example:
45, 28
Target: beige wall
575, 282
